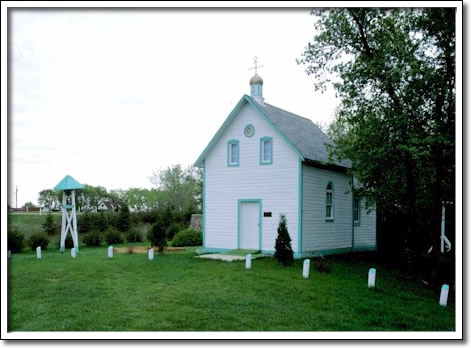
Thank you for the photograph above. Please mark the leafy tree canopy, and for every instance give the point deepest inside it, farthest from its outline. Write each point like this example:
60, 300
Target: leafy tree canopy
394, 73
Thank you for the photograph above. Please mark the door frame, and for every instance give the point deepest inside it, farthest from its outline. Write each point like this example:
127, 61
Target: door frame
250, 200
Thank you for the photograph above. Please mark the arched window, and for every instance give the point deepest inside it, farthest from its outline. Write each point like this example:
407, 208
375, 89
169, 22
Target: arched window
329, 202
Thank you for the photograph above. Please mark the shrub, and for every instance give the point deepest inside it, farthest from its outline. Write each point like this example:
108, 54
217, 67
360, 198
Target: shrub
188, 237
322, 265
99, 221
84, 223
124, 219
134, 236
113, 236
148, 217
49, 225
69, 242
174, 228
283, 250
113, 220
38, 239
158, 236
93, 238
150, 235
16, 241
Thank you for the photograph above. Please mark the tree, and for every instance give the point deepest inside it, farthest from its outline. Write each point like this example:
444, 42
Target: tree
393, 70
100, 221
28, 205
49, 226
48, 199
84, 223
180, 188
124, 218
90, 197
283, 249
158, 236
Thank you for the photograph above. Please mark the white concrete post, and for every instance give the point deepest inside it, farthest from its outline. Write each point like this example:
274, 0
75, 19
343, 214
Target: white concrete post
248, 261
306, 266
444, 295
38, 252
371, 278
73, 253
151, 254
110, 252
9, 254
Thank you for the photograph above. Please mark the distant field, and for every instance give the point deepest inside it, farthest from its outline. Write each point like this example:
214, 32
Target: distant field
29, 222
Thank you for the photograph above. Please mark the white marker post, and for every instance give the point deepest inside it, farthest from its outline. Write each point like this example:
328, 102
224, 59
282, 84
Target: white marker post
38, 253
73, 253
151, 254
444, 295
9, 254
248, 261
371, 278
110, 252
306, 266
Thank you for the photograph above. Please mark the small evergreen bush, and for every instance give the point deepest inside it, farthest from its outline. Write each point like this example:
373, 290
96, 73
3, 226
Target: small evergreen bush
158, 236
174, 228
283, 250
16, 241
322, 265
188, 237
113, 236
38, 239
93, 238
84, 223
134, 235
124, 219
49, 225
99, 221
69, 242
150, 235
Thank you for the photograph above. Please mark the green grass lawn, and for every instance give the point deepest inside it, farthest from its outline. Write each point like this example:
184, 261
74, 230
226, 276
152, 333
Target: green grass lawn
177, 291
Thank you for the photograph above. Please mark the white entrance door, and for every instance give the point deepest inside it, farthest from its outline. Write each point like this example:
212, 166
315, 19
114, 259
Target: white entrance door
249, 225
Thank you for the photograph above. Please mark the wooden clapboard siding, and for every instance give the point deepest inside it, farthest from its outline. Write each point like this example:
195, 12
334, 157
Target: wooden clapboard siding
276, 184
319, 234
365, 231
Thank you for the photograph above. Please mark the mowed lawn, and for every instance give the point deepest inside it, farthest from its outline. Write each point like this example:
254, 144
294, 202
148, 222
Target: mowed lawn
177, 292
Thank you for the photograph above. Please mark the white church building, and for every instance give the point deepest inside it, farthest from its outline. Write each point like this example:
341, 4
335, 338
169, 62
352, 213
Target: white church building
264, 162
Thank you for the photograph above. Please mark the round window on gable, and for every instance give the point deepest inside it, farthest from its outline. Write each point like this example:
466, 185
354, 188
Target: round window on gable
249, 131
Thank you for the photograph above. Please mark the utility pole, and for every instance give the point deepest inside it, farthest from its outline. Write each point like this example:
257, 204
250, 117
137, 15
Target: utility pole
16, 198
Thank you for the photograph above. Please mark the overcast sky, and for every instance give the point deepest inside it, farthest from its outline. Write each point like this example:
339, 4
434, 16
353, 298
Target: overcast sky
109, 96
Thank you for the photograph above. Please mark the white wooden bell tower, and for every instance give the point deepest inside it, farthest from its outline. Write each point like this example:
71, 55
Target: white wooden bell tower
69, 215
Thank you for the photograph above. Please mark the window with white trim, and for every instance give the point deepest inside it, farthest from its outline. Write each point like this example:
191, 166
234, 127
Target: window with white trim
329, 202
266, 150
233, 153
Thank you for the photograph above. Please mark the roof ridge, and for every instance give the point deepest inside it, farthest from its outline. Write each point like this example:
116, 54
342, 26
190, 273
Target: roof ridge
289, 112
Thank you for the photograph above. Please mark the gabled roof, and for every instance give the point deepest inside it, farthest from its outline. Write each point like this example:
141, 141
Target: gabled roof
68, 183
301, 134
108, 205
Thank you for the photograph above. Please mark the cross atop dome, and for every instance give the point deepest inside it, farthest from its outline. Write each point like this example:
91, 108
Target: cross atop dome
256, 82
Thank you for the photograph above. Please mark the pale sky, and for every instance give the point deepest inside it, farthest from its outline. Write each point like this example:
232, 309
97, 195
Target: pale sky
108, 96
